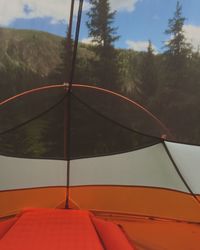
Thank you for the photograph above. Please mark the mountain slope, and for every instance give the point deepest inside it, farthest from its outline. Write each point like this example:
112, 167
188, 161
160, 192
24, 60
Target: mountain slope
35, 51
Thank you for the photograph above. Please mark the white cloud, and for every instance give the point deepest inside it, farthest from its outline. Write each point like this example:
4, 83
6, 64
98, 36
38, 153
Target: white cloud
123, 5
9, 11
58, 10
87, 40
192, 34
139, 45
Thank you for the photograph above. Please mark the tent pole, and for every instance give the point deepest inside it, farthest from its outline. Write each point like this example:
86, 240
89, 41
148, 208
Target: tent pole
179, 173
69, 91
66, 109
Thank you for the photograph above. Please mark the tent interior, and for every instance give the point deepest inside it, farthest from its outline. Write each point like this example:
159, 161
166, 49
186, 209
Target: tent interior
93, 155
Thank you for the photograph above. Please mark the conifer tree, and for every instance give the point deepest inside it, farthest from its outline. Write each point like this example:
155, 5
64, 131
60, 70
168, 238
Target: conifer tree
64, 69
177, 45
178, 51
103, 34
62, 72
148, 73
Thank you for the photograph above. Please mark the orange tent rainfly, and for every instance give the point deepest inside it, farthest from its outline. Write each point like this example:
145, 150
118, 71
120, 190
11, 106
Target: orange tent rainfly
99, 135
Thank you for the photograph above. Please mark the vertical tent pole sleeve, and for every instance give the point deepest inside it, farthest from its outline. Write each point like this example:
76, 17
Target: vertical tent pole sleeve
66, 115
68, 111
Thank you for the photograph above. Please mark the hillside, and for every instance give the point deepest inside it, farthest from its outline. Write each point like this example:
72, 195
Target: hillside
31, 58
35, 51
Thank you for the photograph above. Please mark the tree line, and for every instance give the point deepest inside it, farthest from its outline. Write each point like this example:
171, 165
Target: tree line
167, 83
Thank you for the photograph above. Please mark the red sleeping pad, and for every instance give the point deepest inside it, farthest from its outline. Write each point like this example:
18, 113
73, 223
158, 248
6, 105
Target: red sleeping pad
54, 229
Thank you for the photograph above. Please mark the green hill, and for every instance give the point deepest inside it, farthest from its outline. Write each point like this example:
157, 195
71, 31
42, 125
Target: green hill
35, 51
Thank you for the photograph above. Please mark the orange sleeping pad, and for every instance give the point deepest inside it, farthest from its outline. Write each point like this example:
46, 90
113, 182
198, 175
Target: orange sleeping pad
54, 229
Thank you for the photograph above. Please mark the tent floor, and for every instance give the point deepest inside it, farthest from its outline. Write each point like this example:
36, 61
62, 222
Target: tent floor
56, 229
158, 234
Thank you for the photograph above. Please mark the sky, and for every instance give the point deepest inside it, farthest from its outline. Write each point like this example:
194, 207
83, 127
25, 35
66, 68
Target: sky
137, 20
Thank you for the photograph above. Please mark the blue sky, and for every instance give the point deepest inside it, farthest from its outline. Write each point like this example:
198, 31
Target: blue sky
137, 20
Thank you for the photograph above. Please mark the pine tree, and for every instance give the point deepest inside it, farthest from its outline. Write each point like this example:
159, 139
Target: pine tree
177, 45
62, 72
103, 34
178, 51
66, 57
149, 80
